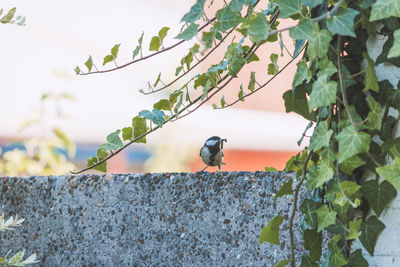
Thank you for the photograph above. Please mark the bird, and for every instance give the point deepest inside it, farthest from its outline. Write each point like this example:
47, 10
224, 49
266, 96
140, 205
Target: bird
211, 153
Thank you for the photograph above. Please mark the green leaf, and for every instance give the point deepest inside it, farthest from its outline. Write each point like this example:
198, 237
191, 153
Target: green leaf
321, 136
189, 32
258, 28
178, 70
196, 11
342, 22
162, 104
307, 262
391, 172
139, 47
108, 59
312, 3
382, 9
350, 164
113, 141
237, 5
370, 76
282, 263
375, 114
352, 142
77, 70
309, 208
370, 231
395, 49
273, 67
127, 133
241, 93
9, 16
318, 47
303, 31
155, 43
302, 73
325, 66
89, 63
156, 116
336, 259
313, 242
236, 64
270, 169
270, 233
115, 50
285, 189
174, 97
157, 80
298, 103
252, 81
288, 7
162, 33
378, 195
349, 188
205, 89
325, 217
323, 93
354, 229
319, 174
227, 19
357, 260
223, 101
139, 127
208, 38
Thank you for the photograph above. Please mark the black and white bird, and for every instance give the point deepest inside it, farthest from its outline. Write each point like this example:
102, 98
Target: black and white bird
211, 153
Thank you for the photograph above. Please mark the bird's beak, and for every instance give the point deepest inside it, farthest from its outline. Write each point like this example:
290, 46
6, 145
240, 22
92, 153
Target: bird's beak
222, 142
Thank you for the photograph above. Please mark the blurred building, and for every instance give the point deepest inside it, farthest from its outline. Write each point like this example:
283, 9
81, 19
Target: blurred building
40, 58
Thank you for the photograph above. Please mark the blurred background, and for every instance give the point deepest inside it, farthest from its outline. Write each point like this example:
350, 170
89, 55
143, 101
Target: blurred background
52, 120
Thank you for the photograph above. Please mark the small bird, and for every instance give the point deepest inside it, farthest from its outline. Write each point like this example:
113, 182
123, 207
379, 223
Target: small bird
211, 153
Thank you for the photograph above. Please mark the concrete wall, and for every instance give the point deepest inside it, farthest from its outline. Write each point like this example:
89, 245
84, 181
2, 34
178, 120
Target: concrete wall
185, 219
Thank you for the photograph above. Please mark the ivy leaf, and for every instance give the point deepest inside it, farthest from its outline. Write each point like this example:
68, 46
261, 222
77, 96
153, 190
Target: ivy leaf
108, 59
113, 141
155, 43
309, 208
352, 142
319, 45
349, 188
139, 127
9, 16
356, 259
303, 31
343, 22
163, 33
325, 217
139, 47
325, 66
162, 104
241, 93
205, 89
223, 101
382, 9
285, 189
236, 64
196, 11
101, 154
252, 81
370, 231
319, 174
127, 133
391, 172
89, 63
298, 103
189, 32
350, 164
302, 73
307, 262
270, 233
258, 28
237, 5
77, 70
321, 136
378, 195
208, 38
312, 3
375, 114
227, 19
288, 7
115, 50
395, 49
282, 263
156, 116
354, 229
370, 75
157, 80
298, 45
273, 67
313, 242
174, 97
336, 259
323, 93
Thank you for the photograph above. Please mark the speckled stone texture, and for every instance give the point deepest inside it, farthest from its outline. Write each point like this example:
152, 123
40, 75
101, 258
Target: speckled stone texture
169, 219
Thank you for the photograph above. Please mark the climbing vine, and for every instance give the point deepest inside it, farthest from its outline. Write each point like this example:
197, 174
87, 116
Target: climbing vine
352, 163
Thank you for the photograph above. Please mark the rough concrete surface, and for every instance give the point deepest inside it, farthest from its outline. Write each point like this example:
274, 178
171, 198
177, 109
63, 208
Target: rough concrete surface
170, 219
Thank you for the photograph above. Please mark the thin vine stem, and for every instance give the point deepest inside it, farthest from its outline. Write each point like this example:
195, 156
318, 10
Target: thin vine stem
148, 56
295, 198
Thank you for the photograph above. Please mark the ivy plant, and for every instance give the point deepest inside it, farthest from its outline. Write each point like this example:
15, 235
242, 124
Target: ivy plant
335, 88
